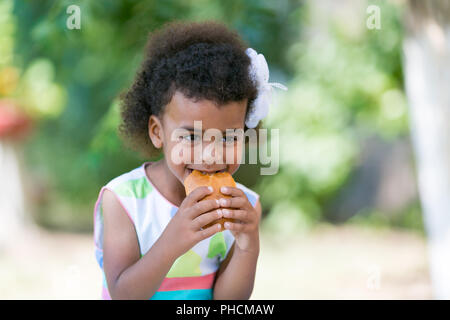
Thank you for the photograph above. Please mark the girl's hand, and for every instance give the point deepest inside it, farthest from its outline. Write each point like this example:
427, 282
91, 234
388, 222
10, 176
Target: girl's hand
245, 229
185, 228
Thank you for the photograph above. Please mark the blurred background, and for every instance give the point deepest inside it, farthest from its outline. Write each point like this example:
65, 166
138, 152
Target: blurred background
360, 208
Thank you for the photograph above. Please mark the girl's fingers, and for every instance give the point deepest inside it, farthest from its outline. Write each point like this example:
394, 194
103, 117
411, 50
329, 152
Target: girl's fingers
235, 202
202, 207
206, 218
196, 195
232, 191
238, 198
235, 226
208, 232
241, 215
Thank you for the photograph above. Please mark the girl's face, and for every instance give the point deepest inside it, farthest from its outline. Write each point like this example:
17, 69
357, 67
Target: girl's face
186, 148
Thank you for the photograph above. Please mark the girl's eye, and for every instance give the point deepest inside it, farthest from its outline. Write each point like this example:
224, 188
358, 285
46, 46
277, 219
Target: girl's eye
192, 138
229, 139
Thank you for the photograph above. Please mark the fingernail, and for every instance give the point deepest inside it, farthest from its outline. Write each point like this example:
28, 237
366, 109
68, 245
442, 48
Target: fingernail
227, 225
223, 202
218, 203
219, 213
224, 189
210, 189
226, 213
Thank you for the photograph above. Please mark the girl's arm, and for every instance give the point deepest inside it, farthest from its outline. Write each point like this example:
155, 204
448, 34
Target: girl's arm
236, 275
131, 277
128, 276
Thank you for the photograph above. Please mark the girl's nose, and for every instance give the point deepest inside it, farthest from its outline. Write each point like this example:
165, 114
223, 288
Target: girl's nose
212, 153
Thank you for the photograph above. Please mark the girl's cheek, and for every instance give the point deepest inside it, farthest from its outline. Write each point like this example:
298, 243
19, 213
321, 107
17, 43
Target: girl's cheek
177, 153
232, 157
238, 151
182, 153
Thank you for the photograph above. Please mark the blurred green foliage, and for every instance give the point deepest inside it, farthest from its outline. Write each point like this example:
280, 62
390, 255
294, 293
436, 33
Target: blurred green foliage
347, 87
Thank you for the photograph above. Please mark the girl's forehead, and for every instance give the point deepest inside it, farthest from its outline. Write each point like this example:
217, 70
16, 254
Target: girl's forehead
182, 112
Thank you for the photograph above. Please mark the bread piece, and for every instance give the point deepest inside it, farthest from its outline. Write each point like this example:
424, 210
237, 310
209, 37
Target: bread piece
216, 181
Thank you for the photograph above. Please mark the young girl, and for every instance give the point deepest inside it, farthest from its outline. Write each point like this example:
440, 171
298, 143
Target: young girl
149, 239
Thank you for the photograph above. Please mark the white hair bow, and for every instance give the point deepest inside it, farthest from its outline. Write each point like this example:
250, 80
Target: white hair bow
259, 72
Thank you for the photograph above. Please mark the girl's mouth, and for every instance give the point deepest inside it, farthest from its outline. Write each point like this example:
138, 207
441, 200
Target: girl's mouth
209, 172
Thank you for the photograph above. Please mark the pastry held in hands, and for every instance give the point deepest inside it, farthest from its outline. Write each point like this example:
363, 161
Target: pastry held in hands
216, 181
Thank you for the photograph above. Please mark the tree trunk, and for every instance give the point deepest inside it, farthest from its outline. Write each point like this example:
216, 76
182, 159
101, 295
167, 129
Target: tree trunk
427, 80
12, 196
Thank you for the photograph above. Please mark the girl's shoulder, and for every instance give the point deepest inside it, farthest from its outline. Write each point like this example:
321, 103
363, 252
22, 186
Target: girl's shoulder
252, 196
133, 183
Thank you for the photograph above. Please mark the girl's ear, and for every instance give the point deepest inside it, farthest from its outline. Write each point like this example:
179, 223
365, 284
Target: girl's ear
155, 131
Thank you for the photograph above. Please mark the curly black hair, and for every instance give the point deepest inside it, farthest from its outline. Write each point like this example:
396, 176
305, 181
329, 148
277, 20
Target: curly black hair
203, 60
